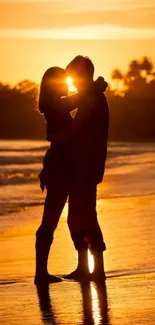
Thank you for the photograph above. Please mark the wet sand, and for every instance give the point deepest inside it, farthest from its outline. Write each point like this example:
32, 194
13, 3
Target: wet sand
128, 296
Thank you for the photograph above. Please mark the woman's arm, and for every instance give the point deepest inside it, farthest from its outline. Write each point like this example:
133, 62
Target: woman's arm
70, 102
64, 105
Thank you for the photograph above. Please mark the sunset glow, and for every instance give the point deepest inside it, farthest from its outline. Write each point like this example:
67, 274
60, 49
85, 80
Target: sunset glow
86, 32
51, 33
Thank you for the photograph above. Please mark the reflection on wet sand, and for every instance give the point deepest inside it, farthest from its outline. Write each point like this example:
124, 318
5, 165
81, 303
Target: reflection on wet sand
94, 304
95, 308
46, 308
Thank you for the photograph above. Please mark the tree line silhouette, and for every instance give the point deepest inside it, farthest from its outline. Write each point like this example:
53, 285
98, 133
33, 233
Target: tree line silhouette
131, 103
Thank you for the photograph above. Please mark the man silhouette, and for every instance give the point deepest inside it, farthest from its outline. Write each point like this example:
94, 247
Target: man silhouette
89, 147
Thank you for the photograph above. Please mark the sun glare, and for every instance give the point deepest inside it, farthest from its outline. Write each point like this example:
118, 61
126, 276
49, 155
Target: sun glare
71, 87
69, 81
90, 262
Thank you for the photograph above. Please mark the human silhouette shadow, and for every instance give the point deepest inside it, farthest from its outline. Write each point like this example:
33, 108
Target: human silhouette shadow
95, 306
47, 311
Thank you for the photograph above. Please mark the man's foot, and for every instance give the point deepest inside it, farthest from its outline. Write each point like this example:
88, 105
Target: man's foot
97, 276
78, 275
46, 279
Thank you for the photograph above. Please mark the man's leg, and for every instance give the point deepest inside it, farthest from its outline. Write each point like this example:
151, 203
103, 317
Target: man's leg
54, 204
84, 228
97, 246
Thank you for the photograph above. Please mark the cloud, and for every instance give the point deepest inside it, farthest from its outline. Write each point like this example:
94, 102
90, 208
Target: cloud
76, 6
84, 3
86, 32
62, 14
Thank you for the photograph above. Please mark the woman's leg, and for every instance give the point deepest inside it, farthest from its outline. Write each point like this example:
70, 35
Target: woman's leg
54, 204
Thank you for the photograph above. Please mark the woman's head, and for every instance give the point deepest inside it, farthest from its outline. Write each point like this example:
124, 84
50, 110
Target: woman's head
54, 82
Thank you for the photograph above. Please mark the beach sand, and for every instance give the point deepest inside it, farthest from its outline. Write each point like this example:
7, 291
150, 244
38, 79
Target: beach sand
128, 297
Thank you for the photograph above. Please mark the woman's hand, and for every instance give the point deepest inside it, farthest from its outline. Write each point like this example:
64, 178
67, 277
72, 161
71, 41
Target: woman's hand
42, 180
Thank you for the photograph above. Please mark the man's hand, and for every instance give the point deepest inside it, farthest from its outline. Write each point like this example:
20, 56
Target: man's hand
101, 83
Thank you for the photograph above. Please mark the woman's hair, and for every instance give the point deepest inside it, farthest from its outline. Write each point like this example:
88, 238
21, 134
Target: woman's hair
53, 75
51, 81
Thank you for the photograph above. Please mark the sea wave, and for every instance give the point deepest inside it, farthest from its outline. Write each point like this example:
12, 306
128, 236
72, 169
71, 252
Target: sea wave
33, 149
18, 177
18, 207
17, 198
22, 160
129, 169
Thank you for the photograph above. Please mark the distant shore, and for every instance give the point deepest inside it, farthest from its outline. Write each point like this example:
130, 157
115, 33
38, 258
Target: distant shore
135, 141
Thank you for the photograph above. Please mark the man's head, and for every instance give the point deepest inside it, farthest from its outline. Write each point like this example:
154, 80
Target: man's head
81, 69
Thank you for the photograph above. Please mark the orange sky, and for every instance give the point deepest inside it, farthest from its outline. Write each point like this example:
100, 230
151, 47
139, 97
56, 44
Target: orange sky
36, 34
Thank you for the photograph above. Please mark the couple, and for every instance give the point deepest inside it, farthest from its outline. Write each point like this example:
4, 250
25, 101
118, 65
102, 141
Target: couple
73, 165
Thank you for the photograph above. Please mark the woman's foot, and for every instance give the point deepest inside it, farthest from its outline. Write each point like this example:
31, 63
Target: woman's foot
46, 279
77, 275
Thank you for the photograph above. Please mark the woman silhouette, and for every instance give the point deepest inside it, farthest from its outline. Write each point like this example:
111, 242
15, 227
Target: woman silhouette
55, 175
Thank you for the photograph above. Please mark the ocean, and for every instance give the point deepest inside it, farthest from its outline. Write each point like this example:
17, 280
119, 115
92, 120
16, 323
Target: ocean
130, 171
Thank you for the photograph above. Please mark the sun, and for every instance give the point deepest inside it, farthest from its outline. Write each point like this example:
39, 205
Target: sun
69, 81
72, 89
